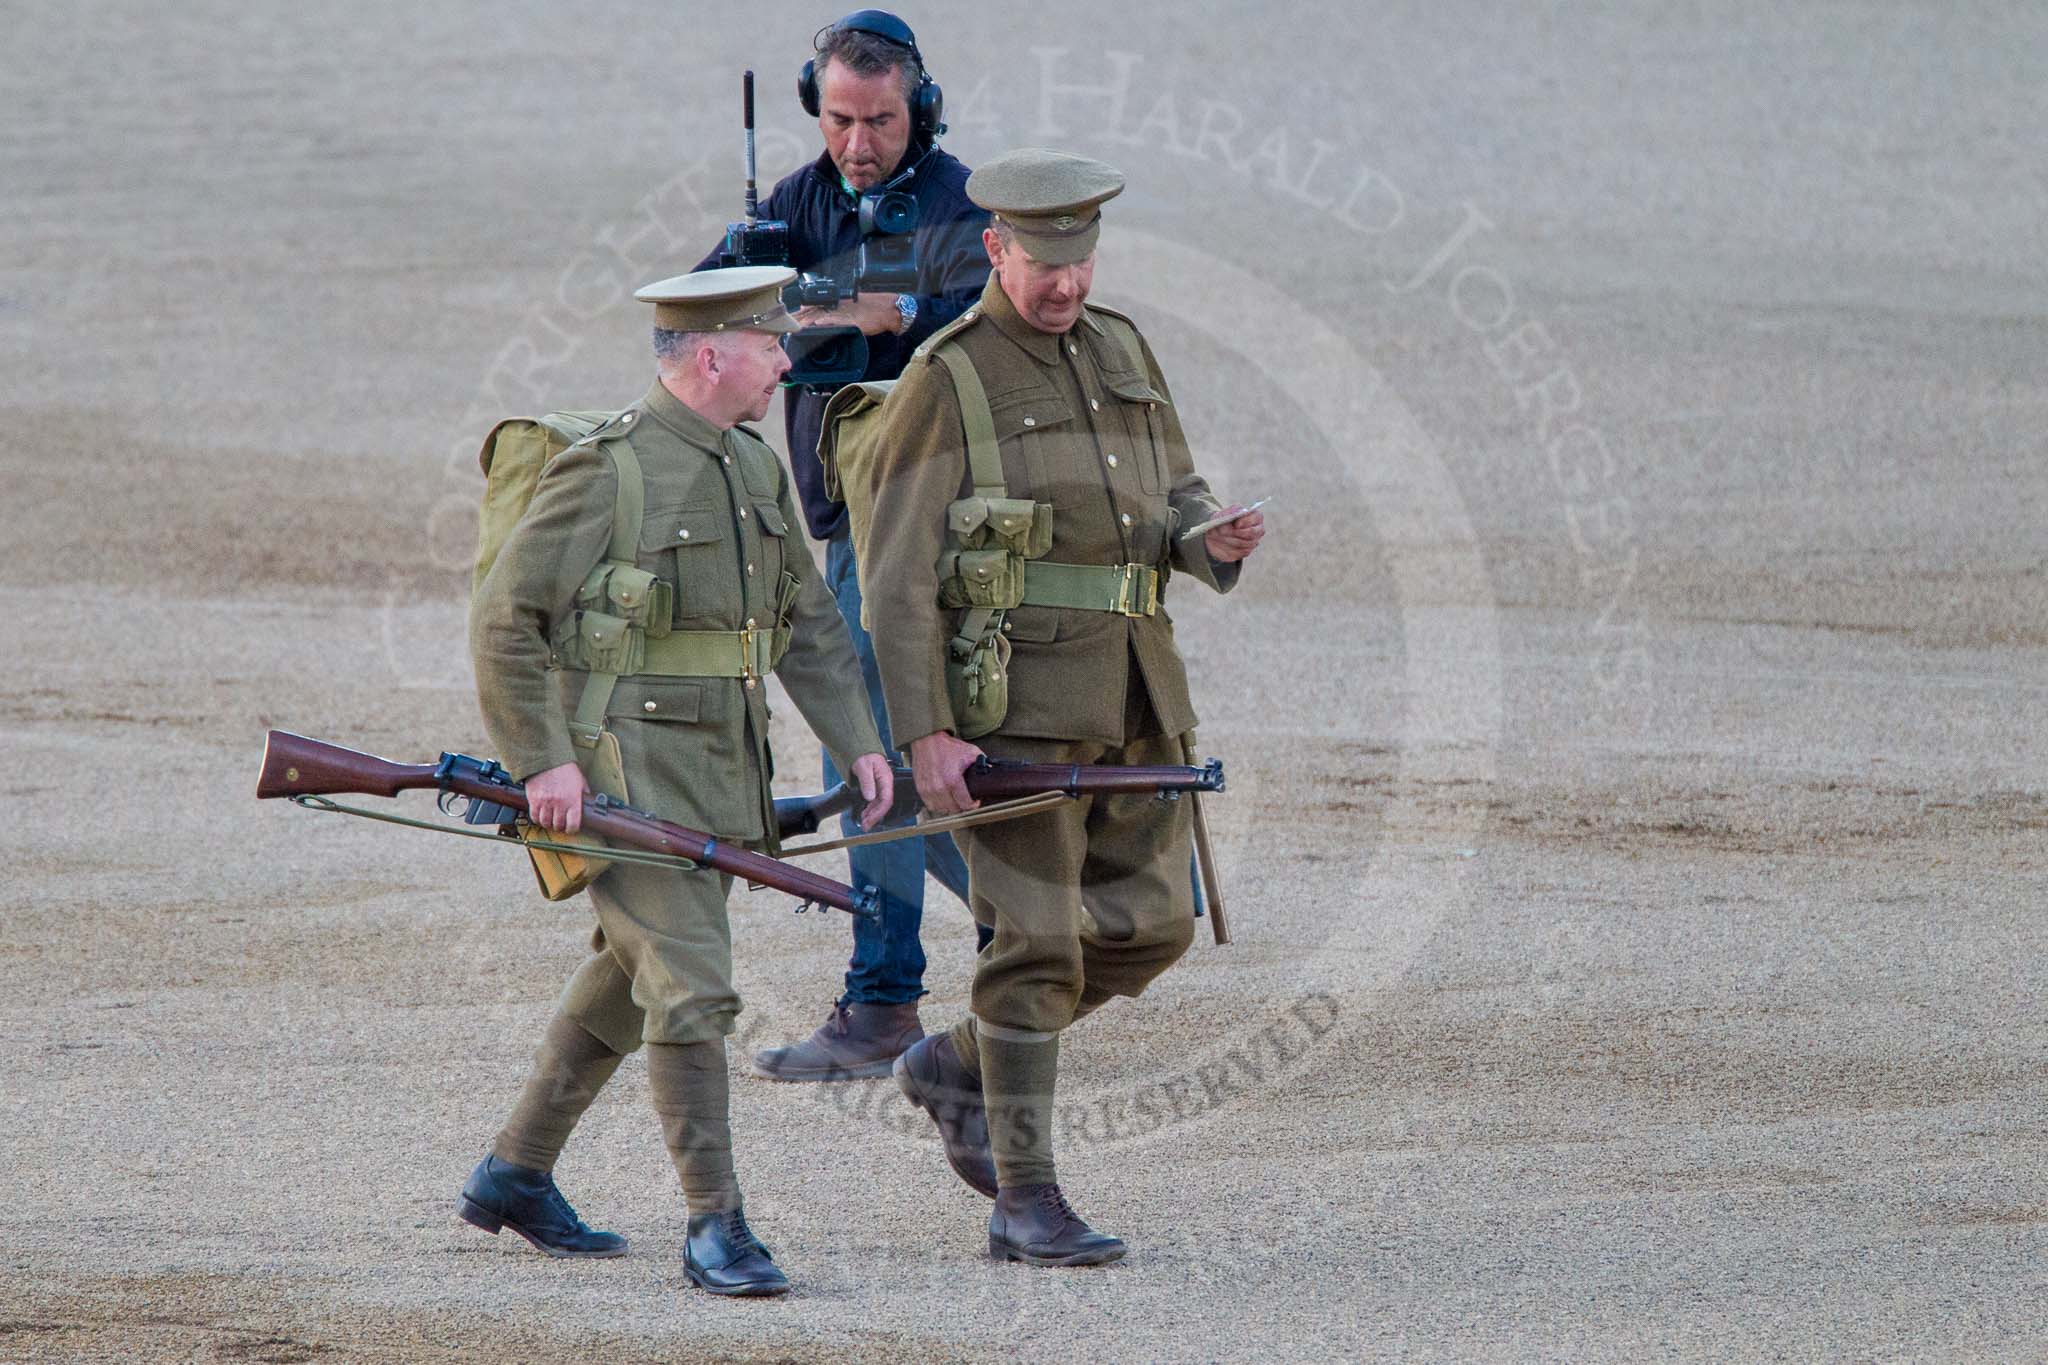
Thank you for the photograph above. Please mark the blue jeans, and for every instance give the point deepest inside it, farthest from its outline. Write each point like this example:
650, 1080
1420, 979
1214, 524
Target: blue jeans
888, 957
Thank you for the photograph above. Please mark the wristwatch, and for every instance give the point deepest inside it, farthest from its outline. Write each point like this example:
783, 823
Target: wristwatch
906, 308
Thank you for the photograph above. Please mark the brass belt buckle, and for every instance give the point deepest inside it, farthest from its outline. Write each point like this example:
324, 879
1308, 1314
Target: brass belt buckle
746, 634
1125, 590
1128, 579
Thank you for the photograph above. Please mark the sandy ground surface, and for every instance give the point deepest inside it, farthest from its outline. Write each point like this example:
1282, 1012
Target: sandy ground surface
1636, 830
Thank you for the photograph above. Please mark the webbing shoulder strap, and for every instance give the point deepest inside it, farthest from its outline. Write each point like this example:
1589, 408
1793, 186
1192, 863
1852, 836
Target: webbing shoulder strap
629, 508
985, 464
983, 460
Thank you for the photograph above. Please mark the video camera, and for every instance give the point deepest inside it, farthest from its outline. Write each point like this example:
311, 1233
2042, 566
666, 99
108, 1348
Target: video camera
886, 262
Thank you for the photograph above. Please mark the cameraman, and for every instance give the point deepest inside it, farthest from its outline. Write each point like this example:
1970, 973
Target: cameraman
880, 115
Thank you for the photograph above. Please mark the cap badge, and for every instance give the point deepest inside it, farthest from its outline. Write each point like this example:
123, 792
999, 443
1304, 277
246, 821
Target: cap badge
1064, 222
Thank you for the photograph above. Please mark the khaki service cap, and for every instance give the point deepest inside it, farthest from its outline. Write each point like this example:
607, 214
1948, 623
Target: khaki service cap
1051, 200
741, 298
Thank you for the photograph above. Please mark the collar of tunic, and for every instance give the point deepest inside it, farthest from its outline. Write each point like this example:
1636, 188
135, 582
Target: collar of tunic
684, 420
1043, 347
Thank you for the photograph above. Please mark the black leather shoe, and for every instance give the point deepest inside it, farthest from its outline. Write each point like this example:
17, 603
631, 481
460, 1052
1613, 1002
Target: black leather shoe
724, 1256
1035, 1224
931, 1075
501, 1195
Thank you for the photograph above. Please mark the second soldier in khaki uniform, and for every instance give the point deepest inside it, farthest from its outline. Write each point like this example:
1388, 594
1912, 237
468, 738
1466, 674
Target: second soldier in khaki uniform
1092, 900
728, 593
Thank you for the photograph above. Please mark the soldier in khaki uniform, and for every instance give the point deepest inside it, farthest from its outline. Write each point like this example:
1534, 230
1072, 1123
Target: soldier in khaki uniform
734, 594
1092, 900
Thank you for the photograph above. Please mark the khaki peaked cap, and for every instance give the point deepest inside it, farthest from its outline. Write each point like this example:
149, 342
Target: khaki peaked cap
1051, 200
741, 298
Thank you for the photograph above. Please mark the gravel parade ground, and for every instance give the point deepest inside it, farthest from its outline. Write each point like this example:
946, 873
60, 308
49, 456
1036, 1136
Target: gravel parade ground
1637, 825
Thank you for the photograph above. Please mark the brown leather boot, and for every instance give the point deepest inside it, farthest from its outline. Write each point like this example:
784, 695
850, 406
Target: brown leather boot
857, 1041
1036, 1225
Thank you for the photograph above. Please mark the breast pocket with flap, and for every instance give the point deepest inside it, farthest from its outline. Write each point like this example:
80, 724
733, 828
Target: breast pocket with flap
1035, 430
1139, 406
706, 581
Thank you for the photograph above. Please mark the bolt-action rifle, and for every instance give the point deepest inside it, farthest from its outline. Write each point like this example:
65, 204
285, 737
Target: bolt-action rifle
1010, 789
308, 772
991, 780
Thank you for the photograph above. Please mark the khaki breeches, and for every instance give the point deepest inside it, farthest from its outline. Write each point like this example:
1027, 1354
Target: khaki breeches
660, 964
1088, 901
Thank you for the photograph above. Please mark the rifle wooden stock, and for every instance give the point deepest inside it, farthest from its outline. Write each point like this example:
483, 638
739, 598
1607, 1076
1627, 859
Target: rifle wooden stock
1000, 780
294, 765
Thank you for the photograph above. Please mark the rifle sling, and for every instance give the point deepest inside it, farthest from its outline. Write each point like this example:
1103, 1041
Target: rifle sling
610, 854
987, 815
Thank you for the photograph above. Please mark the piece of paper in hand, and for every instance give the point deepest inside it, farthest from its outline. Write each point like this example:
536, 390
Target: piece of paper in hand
1214, 522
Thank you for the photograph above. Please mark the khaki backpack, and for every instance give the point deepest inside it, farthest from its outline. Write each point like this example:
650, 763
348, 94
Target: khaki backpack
513, 455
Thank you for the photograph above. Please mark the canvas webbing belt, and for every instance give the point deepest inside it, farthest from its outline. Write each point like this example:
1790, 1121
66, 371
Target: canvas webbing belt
1128, 589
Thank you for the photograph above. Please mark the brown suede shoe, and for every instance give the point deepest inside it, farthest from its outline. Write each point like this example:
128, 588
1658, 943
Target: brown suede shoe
931, 1076
1036, 1225
856, 1041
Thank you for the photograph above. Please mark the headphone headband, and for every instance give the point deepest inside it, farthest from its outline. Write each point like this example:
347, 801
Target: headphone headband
876, 23
927, 102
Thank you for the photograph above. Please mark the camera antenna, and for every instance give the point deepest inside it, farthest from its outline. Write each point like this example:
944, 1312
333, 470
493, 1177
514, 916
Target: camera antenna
747, 116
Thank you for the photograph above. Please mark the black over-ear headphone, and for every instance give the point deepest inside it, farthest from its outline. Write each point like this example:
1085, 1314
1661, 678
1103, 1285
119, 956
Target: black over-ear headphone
927, 102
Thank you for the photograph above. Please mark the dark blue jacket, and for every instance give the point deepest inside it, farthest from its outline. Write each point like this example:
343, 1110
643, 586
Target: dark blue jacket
824, 234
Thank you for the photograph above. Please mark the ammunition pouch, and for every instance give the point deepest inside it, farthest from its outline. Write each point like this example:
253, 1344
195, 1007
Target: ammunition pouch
635, 595
980, 578
1018, 525
604, 643
983, 571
